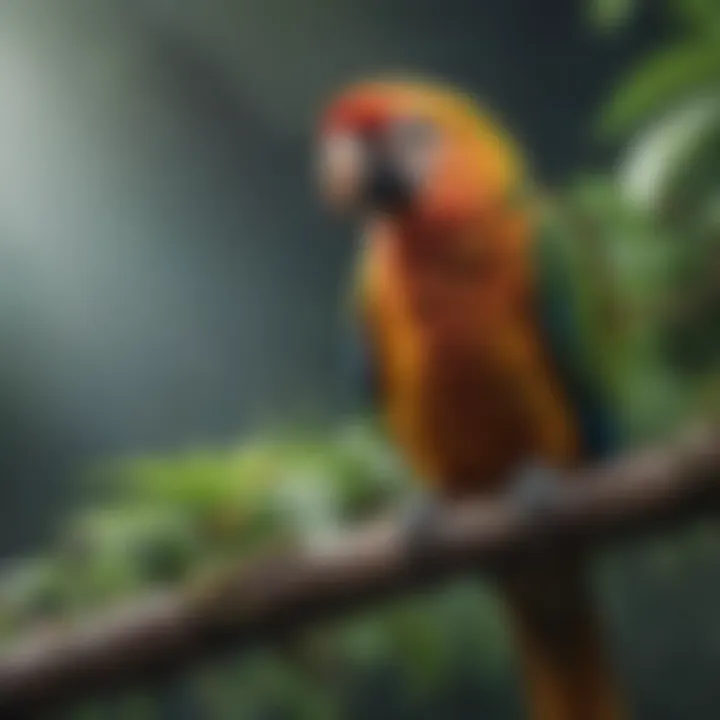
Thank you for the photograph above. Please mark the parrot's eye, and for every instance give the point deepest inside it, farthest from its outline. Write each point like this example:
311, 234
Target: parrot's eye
413, 143
412, 133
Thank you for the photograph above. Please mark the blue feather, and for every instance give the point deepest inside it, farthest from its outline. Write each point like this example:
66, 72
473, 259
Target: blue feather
562, 333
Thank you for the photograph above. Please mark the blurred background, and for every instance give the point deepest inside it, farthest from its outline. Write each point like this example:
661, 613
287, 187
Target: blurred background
169, 315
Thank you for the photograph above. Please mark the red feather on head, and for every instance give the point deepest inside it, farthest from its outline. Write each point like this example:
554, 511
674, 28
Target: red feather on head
363, 110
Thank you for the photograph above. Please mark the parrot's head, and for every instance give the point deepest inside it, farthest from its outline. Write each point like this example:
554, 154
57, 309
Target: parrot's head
405, 148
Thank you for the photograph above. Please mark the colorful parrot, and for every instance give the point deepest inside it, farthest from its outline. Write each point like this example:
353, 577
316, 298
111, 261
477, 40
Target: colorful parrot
474, 346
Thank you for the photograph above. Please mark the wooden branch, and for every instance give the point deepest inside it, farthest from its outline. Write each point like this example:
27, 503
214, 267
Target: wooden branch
271, 595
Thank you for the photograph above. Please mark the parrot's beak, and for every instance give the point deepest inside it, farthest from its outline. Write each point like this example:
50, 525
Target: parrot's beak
356, 175
387, 188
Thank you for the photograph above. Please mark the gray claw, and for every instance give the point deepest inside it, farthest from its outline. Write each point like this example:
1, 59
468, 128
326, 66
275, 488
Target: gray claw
538, 489
419, 522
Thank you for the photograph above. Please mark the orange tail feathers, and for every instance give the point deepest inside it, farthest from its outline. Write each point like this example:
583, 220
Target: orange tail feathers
567, 674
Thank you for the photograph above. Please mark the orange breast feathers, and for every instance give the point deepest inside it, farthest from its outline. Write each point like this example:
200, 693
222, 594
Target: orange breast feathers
467, 391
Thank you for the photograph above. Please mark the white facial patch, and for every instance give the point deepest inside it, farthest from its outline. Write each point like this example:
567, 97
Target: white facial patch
342, 166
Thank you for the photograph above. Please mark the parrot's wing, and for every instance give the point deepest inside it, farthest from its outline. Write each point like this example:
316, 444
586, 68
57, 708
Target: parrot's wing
566, 327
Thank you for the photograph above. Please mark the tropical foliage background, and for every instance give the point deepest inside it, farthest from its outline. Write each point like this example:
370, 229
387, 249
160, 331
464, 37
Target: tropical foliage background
650, 261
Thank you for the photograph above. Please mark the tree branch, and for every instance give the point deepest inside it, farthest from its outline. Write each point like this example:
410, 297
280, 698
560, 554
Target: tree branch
262, 599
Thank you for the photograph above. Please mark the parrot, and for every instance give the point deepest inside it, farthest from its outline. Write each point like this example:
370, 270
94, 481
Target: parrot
472, 346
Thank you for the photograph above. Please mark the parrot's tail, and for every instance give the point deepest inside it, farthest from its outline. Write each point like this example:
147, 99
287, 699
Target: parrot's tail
567, 674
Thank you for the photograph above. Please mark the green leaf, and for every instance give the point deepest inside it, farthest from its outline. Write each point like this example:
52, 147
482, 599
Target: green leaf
675, 156
662, 79
700, 15
612, 15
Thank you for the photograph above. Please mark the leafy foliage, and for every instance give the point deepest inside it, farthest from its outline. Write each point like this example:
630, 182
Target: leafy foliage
662, 80
669, 75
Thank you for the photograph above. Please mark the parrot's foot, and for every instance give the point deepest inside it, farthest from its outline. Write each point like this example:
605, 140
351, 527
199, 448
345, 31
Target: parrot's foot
538, 489
537, 492
419, 523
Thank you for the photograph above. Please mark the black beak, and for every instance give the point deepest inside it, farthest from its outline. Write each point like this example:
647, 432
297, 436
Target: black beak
386, 187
